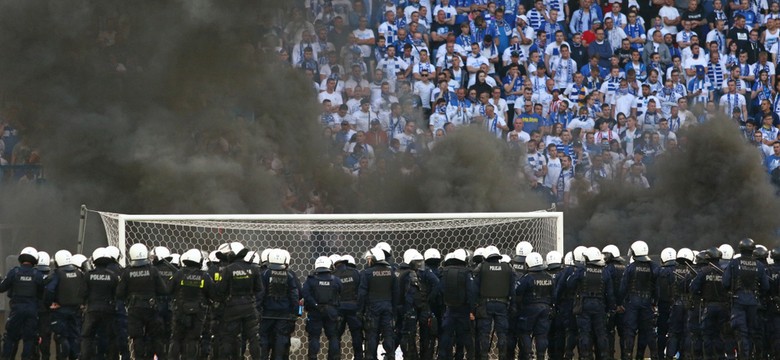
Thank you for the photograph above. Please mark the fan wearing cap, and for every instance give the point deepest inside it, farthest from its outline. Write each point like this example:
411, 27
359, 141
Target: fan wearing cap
321, 296
700, 89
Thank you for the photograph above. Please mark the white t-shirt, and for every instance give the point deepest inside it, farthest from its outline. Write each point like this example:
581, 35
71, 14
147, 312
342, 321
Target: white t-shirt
365, 50
334, 97
671, 13
424, 91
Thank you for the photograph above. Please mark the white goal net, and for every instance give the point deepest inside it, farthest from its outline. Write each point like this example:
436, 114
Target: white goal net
308, 236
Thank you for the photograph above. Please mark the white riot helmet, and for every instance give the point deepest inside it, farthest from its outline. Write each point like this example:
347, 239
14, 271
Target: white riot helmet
252, 257
593, 255
192, 257
113, 252
79, 261
287, 257
161, 253
727, 251
534, 262
322, 264
138, 255
639, 251
276, 260
44, 261
100, 254
411, 255
579, 253
264, 256
176, 259
349, 259
432, 256
479, 255
334, 258
386, 248
568, 259
686, 254
448, 258
524, 248
376, 254
491, 252
668, 254
553, 258
63, 258
213, 257
231, 251
611, 252
505, 259
460, 255
28, 254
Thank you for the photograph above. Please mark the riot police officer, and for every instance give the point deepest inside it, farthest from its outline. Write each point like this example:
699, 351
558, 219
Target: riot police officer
378, 295
522, 250
459, 294
100, 304
238, 289
211, 342
417, 285
64, 295
616, 265
191, 290
496, 284
535, 293
637, 294
162, 258
348, 304
707, 285
121, 337
24, 284
44, 313
140, 285
321, 293
773, 305
594, 297
666, 283
680, 293
746, 278
557, 337
280, 306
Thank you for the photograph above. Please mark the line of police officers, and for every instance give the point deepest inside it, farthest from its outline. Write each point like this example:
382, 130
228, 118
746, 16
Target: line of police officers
694, 305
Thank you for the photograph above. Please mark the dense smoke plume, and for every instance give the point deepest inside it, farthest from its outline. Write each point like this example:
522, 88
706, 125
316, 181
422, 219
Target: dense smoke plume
198, 111
716, 191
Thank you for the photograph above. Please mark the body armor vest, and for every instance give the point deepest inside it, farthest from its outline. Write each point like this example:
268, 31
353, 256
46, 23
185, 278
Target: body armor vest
324, 292
592, 283
642, 282
455, 285
666, 284
380, 286
70, 287
24, 284
102, 288
747, 275
350, 280
542, 289
191, 284
712, 288
140, 283
495, 280
277, 284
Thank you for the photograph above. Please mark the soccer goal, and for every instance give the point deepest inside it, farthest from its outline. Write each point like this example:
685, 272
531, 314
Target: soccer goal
308, 236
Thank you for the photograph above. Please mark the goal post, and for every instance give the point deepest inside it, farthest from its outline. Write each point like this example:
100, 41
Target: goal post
308, 236
337, 233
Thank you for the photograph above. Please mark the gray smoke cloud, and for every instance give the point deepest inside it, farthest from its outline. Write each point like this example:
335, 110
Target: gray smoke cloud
714, 192
192, 121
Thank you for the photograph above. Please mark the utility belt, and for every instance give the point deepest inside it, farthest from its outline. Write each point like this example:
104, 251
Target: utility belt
641, 295
241, 299
501, 300
592, 295
146, 302
189, 307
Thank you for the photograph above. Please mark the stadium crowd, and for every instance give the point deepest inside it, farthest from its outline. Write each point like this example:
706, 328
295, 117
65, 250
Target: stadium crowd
709, 304
594, 90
